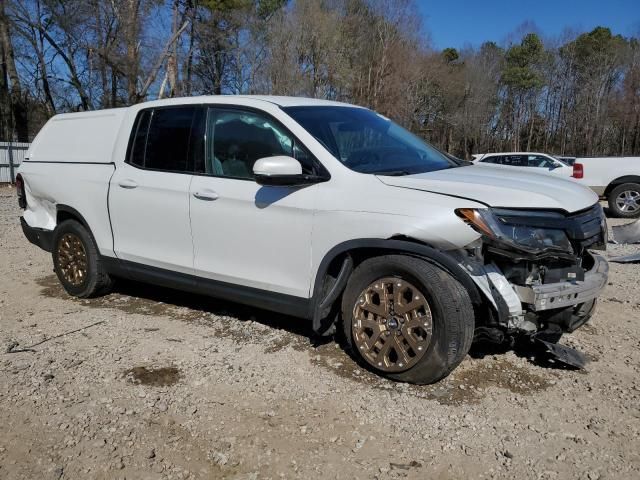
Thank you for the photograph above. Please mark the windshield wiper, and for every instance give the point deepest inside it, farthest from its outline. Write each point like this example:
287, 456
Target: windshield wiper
392, 173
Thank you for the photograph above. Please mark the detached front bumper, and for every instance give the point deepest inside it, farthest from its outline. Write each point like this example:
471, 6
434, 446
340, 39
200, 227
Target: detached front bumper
565, 294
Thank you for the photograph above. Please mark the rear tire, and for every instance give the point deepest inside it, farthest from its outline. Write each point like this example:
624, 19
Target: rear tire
77, 262
624, 200
429, 341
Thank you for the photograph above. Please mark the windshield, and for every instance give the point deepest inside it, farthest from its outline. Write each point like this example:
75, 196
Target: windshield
367, 142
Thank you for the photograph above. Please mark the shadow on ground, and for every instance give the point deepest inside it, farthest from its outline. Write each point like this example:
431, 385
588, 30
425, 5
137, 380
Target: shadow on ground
145, 299
487, 368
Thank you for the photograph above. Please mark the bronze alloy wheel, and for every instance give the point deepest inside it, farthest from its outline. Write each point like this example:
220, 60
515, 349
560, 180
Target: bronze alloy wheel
392, 324
72, 259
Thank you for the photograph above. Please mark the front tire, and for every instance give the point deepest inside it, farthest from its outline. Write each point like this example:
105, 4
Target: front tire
77, 263
624, 200
406, 319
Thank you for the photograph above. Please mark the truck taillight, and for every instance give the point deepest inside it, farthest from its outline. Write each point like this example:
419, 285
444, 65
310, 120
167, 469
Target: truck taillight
22, 196
578, 170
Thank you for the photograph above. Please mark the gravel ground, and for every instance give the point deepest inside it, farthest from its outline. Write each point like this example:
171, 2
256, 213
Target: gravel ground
151, 383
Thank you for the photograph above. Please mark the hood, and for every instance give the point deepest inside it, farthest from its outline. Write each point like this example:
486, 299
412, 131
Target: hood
500, 187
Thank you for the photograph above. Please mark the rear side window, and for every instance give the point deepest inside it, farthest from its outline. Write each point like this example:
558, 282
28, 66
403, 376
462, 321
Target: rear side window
540, 161
515, 161
169, 139
491, 160
140, 139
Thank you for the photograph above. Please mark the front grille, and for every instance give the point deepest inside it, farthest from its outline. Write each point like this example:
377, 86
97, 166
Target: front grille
588, 229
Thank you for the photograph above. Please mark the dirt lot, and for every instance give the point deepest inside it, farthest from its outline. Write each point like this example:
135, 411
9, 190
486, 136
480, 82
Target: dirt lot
149, 383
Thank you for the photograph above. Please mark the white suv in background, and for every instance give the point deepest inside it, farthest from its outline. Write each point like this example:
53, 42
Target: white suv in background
321, 210
535, 162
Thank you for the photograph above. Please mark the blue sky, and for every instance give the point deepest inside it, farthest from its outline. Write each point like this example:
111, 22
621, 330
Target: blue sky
456, 23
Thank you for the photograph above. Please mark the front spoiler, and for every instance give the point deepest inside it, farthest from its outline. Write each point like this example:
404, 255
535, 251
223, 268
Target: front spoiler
564, 294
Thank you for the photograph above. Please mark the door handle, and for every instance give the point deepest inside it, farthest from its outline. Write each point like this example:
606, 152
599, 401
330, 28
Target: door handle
206, 195
127, 183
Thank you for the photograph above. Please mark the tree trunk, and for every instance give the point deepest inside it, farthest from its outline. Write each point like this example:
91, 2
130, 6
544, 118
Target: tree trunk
14, 109
131, 36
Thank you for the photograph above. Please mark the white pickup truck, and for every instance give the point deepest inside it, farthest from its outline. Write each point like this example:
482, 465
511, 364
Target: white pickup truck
617, 179
317, 209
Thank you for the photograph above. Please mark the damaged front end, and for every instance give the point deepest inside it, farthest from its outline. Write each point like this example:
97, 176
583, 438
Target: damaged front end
538, 269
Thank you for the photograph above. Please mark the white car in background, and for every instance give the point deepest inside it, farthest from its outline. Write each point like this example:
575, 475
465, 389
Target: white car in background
615, 179
536, 162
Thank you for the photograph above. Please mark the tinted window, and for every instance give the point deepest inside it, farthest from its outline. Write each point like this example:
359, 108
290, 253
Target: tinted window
541, 161
236, 139
514, 160
367, 142
494, 160
140, 139
196, 144
168, 139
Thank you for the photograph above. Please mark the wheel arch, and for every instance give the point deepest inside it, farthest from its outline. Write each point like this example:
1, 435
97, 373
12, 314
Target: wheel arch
621, 181
65, 212
336, 266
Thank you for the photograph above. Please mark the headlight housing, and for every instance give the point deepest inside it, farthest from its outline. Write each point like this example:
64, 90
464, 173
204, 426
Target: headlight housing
532, 239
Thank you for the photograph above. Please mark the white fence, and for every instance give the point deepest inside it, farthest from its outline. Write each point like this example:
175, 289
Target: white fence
11, 156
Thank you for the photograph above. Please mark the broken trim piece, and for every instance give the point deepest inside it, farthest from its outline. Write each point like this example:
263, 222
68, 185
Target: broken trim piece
627, 233
634, 258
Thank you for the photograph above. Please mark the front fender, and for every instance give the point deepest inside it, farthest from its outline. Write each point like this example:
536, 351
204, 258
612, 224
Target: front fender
371, 247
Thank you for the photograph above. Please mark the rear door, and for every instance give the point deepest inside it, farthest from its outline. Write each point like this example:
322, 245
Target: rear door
149, 193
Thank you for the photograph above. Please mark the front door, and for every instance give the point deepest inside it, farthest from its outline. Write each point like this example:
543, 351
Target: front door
245, 233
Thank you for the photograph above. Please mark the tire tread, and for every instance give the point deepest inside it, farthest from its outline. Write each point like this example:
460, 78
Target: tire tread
452, 300
99, 281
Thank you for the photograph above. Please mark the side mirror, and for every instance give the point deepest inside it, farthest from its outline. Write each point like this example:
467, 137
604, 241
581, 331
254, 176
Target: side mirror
279, 171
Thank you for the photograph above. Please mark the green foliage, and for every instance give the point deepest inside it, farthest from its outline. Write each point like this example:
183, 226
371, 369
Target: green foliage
263, 8
521, 60
450, 55
595, 48
491, 50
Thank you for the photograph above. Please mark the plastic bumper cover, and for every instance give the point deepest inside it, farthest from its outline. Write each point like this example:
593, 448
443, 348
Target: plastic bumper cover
38, 236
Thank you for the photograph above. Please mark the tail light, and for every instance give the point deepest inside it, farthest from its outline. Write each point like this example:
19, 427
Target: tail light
578, 170
22, 196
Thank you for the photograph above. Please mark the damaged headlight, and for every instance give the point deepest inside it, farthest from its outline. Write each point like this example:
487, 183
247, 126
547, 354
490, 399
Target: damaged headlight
525, 237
